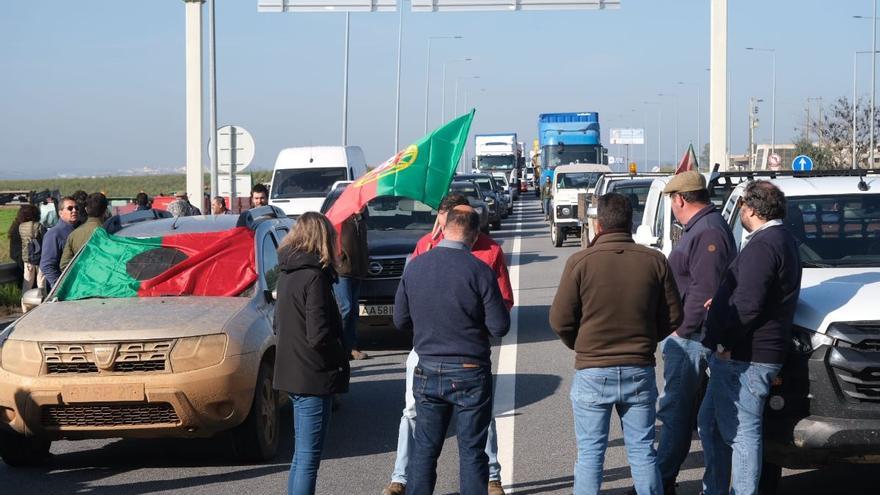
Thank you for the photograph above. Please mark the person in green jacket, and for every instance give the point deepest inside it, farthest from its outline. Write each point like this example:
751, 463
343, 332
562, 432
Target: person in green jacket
96, 207
546, 196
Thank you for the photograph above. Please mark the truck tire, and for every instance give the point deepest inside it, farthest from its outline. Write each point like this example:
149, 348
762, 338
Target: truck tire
770, 476
256, 439
557, 235
18, 450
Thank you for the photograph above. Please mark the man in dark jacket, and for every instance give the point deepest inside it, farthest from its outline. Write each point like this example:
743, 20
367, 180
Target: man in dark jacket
614, 323
698, 262
451, 302
749, 330
352, 267
54, 240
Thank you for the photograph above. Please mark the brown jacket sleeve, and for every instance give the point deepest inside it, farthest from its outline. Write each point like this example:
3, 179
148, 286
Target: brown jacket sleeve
565, 312
669, 314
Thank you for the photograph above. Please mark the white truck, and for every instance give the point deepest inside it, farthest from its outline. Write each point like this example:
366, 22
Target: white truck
568, 182
496, 153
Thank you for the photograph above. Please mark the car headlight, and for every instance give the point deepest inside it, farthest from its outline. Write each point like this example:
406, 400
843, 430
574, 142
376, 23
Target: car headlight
489, 200
805, 341
193, 353
566, 211
21, 357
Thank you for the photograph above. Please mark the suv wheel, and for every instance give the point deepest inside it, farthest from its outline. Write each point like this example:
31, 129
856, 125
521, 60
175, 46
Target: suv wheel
557, 235
18, 450
257, 438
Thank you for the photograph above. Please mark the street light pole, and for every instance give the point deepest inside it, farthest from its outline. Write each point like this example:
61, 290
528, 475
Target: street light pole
397, 93
428, 74
345, 81
659, 128
873, 75
772, 52
212, 96
443, 97
457, 80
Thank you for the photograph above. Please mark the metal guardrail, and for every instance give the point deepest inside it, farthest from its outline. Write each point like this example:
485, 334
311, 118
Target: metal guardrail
7, 273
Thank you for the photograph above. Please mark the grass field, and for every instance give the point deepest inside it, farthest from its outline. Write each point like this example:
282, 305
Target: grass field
7, 215
115, 187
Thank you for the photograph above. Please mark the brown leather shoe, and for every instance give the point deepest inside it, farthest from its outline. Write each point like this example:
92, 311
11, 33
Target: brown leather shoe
394, 488
358, 355
495, 488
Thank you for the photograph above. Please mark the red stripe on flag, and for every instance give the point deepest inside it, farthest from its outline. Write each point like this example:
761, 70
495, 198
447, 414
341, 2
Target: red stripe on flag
217, 264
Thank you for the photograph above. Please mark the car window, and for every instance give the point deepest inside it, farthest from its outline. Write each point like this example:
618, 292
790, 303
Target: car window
398, 213
840, 230
660, 222
269, 261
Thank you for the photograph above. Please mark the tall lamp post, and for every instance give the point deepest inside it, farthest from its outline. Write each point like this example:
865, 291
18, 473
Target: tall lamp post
443, 98
772, 52
873, 74
457, 81
659, 128
428, 72
674, 123
855, 158
699, 132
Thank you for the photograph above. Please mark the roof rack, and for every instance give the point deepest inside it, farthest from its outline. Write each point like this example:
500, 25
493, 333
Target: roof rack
252, 217
773, 174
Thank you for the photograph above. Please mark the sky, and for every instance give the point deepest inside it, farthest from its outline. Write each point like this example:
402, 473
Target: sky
97, 86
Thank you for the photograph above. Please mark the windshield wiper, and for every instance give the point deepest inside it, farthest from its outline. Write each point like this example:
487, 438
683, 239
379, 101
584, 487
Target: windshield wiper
815, 264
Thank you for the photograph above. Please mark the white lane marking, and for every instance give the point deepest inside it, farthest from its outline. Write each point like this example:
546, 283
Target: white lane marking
505, 383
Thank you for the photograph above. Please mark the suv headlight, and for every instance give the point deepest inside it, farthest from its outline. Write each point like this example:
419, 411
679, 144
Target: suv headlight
489, 200
193, 353
805, 341
21, 357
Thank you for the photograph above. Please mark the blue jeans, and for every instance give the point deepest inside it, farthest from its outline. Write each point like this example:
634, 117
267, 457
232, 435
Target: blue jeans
347, 291
545, 205
408, 424
730, 425
633, 391
443, 390
684, 363
311, 417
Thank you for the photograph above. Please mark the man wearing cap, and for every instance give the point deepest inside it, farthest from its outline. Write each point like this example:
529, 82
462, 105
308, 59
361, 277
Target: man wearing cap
181, 207
698, 262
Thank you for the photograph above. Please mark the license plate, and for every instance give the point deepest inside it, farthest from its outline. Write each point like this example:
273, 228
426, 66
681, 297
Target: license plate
103, 393
377, 310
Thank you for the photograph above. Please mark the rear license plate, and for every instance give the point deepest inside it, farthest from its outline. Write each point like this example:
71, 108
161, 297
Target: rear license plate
377, 310
103, 393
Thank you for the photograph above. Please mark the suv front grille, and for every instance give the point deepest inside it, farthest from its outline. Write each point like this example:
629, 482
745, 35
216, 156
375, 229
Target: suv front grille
386, 267
92, 415
130, 357
856, 365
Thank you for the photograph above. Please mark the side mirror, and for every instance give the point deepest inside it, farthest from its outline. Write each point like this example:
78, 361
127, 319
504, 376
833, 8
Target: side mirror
32, 298
645, 237
270, 295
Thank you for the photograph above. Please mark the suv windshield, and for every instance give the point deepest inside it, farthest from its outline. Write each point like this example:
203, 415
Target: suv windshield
579, 180
469, 192
558, 154
836, 230
501, 179
305, 183
396, 213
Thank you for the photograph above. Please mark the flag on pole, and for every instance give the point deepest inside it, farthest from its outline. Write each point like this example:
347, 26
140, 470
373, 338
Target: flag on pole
688, 161
200, 264
422, 171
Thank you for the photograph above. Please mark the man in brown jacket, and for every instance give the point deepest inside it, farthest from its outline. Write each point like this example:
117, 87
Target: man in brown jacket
352, 266
615, 301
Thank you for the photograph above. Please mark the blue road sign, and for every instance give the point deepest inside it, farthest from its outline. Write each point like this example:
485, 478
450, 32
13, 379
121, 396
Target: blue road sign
802, 163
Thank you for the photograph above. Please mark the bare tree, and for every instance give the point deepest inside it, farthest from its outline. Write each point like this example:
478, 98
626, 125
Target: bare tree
834, 148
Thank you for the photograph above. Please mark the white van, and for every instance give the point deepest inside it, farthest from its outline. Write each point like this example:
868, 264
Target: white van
304, 176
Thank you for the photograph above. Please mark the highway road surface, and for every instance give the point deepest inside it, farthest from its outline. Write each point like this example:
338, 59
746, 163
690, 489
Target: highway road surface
535, 426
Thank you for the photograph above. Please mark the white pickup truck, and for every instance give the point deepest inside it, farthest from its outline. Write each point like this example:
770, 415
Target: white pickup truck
568, 182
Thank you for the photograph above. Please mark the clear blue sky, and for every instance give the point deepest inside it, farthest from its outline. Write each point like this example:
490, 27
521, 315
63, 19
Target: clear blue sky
98, 86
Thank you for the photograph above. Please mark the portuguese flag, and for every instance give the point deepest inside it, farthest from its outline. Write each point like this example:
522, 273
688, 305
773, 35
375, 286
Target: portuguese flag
422, 171
200, 264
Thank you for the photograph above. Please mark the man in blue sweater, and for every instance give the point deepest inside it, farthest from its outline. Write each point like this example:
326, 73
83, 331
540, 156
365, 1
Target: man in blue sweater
53, 241
749, 329
451, 302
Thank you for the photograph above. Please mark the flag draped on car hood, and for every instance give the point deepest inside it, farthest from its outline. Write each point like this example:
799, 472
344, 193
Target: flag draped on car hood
199, 264
688, 161
422, 171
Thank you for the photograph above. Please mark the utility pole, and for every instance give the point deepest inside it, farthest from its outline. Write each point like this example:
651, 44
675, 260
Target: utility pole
345, 80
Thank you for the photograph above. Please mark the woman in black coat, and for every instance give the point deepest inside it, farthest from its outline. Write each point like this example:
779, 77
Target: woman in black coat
312, 364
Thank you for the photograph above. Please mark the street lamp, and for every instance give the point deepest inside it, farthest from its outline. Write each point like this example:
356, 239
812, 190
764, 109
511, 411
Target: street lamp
458, 80
753, 123
699, 134
443, 100
873, 73
772, 51
674, 122
428, 71
855, 98
659, 128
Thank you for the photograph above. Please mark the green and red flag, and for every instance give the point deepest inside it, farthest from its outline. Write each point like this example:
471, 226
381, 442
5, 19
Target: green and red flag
198, 264
422, 171
688, 161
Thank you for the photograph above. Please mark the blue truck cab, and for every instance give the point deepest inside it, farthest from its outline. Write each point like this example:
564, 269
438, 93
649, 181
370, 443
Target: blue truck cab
566, 138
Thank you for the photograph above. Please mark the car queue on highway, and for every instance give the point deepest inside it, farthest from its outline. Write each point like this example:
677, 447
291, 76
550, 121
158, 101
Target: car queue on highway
819, 406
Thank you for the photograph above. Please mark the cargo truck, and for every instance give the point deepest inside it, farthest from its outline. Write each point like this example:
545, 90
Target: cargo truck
569, 138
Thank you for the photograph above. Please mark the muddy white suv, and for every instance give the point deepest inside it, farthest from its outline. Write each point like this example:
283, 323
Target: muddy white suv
148, 366
825, 406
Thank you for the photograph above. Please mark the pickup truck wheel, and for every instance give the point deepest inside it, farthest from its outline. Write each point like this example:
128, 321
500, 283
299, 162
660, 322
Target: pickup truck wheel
18, 450
257, 438
557, 235
770, 476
